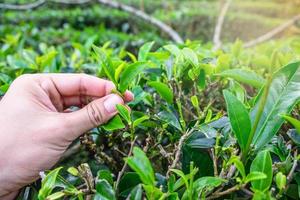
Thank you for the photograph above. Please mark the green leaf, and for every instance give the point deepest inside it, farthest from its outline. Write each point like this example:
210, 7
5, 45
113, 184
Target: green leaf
262, 163
170, 118
164, 91
152, 193
195, 101
140, 120
190, 56
48, 183
129, 74
201, 79
132, 57
118, 71
144, 50
73, 171
207, 182
104, 191
124, 112
105, 63
244, 76
136, 193
181, 175
142, 166
128, 182
283, 94
293, 121
106, 175
56, 195
239, 165
280, 179
253, 176
239, 118
173, 49
114, 124
46, 59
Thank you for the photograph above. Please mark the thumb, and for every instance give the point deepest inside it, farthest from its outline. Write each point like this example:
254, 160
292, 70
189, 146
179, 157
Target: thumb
94, 114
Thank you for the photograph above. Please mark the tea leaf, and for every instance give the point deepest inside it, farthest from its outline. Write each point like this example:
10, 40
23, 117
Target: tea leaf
293, 121
56, 195
283, 94
124, 112
280, 180
48, 184
244, 76
207, 182
73, 171
191, 56
136, 193
104, 191
164, 91
253, 176
239, 118
173, 49
106, 175
262, 163
181, 175
142, 166
114, 124
239, 165
129, 74
144, 50
105, 63
170, 118
140, 120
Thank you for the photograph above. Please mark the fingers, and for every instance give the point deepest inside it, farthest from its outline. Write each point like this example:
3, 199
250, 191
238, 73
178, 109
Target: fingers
66, 90
82, 100
94, 114
79, 84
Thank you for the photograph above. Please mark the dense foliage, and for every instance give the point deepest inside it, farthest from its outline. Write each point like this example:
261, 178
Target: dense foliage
204, 124
178, 140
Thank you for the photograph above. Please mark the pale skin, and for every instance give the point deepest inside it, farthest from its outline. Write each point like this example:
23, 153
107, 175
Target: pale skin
36, 126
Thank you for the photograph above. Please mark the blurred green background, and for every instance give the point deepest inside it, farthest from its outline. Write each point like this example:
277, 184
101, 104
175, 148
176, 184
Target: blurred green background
55, 23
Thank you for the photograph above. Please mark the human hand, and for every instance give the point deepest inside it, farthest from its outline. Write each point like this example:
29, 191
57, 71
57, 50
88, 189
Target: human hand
35, 129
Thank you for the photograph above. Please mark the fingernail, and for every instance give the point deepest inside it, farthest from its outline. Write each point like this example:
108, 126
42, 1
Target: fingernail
111, 102
109, 87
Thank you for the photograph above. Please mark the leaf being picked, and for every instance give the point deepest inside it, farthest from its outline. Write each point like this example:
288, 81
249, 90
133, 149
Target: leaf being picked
124, 112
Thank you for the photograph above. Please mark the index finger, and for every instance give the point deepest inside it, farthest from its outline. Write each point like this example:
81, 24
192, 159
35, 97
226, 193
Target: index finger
80, 84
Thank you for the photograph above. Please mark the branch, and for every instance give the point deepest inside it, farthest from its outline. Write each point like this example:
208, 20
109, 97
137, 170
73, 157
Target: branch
218, 29
71, 1
125, 164
138, 13
228, 191
179, 147
291, 173
28, 6
269, 35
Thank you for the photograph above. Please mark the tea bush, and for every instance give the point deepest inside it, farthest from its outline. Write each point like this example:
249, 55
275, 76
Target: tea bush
203, 125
